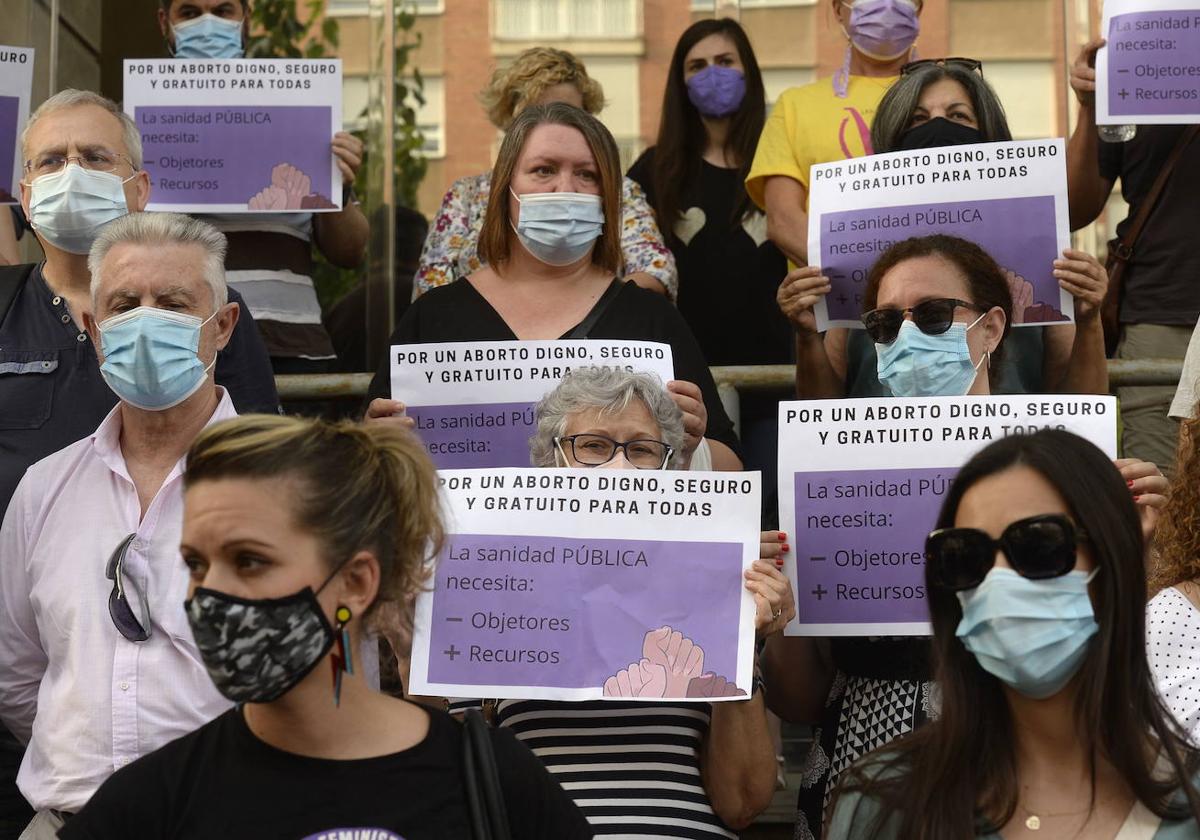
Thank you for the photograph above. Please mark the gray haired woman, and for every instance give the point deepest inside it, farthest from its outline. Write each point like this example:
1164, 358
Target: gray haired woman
635, 767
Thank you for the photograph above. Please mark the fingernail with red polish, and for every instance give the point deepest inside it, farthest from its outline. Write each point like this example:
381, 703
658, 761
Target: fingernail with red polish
782, 536
1129, 483
786, 548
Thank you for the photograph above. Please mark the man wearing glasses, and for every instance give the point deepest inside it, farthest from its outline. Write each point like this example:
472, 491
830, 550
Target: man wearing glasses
97, 664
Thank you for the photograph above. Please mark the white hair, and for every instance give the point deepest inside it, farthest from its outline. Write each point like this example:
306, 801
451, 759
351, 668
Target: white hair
164, 229
73, 98
611, 390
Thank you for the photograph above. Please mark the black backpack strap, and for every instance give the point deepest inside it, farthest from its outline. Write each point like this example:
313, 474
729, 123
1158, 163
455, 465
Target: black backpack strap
481, 781
12, 278
584, 328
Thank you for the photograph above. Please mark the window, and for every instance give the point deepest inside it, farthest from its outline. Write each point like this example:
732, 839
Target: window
778, 79
351, 8
578, 19
431, 117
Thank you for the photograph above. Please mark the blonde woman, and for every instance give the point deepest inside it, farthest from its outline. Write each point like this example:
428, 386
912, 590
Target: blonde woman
536, 77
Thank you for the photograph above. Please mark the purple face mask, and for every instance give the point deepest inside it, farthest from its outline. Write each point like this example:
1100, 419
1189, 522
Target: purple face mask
883, 29
717, 91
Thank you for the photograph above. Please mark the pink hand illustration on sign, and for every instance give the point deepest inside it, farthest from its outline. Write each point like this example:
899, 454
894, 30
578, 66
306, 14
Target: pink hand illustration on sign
672, 665
290, 189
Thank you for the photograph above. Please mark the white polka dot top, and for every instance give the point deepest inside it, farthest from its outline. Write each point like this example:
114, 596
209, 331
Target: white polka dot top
1173, 648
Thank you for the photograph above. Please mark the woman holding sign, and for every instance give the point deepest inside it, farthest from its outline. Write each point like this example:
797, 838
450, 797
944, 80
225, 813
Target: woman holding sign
937, 103
1049, 724
551, 243
299, 536
636, 767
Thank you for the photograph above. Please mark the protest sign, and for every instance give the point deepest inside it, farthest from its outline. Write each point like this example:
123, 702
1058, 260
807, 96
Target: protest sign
1008, 198
473, 401
16, 82
1149, 72
238, 135
577, 584
861, 482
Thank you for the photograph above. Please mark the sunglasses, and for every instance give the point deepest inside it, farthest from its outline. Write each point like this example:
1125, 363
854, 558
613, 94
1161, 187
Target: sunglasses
971, 65
1037, 548
932, 317
119, 609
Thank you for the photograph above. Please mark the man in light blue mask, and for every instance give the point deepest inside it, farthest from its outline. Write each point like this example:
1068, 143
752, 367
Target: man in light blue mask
95, 527
205, 28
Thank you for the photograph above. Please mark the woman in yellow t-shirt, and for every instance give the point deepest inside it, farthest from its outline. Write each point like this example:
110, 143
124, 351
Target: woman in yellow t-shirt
829, 119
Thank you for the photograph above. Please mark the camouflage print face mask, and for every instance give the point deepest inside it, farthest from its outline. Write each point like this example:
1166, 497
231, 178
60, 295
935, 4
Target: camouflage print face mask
258, 650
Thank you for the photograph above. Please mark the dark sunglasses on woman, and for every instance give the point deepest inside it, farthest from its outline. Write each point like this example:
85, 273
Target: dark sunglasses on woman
932, 317
971, 65
1037, 548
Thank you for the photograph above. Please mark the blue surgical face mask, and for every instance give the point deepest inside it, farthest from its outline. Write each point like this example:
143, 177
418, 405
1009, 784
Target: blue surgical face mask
68, 208
559, 228
208, 36
150, 356
1032, 635
920, 365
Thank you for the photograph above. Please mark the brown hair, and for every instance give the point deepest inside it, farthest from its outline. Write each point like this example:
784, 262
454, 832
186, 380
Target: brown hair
1177, 536
985, 279
368, 488
515, 86
496, 236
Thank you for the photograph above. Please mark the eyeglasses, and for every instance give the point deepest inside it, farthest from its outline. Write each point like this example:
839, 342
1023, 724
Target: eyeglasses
971, 65
932, 317
594, 450
1037, 548
118, 605
96, 160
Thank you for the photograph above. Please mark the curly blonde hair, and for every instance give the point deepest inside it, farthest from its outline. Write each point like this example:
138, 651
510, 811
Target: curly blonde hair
1177, 536
533, 72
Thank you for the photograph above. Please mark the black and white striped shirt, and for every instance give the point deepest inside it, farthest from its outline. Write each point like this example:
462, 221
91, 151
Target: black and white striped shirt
632, 768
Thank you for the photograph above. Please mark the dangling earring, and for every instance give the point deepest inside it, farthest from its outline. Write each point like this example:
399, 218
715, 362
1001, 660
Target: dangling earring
841, 77
342, 661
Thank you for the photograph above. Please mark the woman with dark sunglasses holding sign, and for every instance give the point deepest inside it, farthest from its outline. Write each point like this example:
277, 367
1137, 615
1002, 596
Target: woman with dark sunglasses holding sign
302, 537
1050, 725
937, 103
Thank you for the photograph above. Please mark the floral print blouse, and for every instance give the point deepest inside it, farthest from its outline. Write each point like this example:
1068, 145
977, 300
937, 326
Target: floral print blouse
450, 248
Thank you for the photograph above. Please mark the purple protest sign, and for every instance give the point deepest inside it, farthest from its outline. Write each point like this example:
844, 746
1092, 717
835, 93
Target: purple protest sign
475, 435
860, 537
267, 158
1020, 233
573, 613
10, 109
1154, 63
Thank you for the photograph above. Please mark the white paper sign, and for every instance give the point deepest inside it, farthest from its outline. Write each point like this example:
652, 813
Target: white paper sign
1008, 198
576, 584
16, 82
238, 135
473, 401
1149, 71
861, 482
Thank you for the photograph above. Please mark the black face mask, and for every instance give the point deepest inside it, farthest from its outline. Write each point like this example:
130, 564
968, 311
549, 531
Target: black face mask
937, 132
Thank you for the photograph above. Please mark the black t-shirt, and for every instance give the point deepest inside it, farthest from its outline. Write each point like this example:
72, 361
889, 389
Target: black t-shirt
51, 390
1162, 281
222, 781
458, 312
728, 272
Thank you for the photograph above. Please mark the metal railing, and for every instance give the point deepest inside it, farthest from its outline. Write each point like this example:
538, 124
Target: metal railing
353, 386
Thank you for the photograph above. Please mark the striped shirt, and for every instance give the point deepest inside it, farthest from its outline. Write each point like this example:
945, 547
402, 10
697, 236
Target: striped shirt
632, 768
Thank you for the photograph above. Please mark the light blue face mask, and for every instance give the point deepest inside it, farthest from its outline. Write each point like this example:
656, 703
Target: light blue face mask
559, 228
920, 365
208, 36
68, 207
150, 356
1030, 634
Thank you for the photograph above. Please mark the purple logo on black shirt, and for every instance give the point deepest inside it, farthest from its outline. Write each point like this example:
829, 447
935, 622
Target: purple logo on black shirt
354, 834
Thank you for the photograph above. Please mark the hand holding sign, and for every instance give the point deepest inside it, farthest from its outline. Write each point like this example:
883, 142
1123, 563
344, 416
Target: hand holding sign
1085, 279
1083, 73
799, 293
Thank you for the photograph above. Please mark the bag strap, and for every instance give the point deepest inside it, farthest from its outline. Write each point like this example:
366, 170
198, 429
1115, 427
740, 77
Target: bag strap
481, 781
584, 328
12, 278
1124, 248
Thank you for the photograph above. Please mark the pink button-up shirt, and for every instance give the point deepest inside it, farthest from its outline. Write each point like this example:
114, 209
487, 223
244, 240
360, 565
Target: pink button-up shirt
87, 700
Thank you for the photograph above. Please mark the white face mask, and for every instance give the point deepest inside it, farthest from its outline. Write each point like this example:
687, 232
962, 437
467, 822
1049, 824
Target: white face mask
559, 228
67, 208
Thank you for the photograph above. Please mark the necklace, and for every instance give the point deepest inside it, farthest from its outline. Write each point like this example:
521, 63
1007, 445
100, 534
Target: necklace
1034, 822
